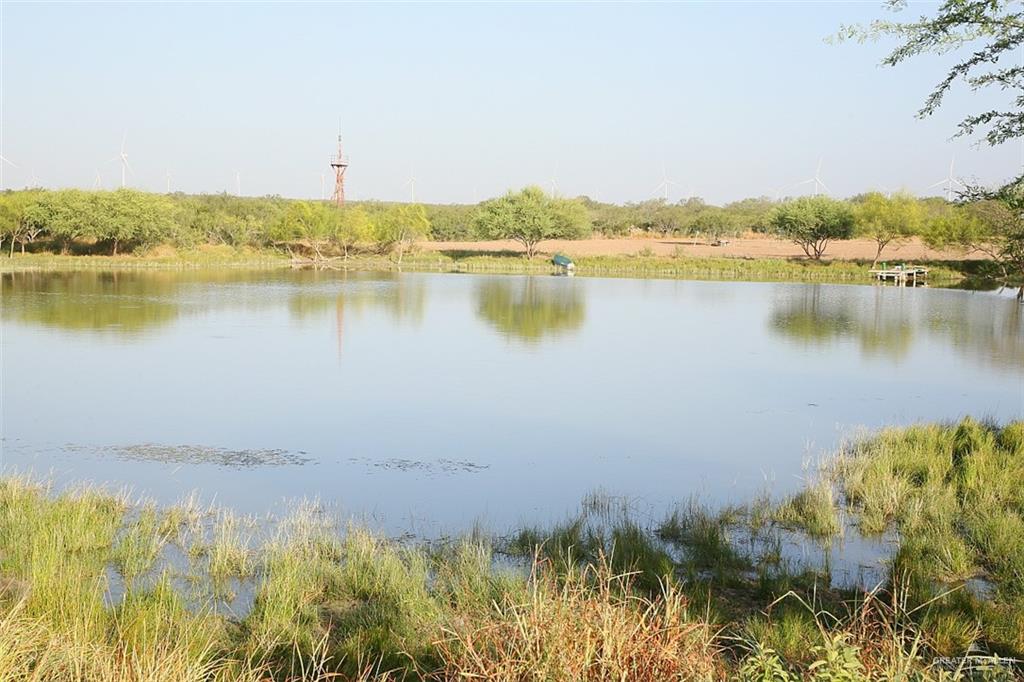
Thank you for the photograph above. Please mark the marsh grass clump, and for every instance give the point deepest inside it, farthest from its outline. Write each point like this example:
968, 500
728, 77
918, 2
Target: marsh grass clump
598, 533
951, 493
139, 545
704, 537
182, 519
579, 625
299, 565
813, 510
228, 552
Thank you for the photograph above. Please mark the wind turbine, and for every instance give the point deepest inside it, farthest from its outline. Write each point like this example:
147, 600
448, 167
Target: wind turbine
168, 178
238, 184
819, 184
663, 186
949, 181
554, 183
3, 160
411, 184
33, 179
98, 182
123, 158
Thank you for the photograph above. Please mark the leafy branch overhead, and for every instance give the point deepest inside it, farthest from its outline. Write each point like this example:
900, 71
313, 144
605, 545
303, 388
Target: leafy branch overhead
986, 34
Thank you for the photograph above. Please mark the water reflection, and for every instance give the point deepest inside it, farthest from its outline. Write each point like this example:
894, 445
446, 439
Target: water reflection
887, 322
809, 315
881, 324
530, 308
993, 333
91, 301
442, 376
129, 303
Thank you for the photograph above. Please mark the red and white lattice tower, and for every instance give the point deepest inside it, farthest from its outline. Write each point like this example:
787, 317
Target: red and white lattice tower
339, 163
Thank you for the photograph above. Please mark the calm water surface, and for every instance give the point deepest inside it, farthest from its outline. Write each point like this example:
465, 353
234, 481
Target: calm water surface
426, 403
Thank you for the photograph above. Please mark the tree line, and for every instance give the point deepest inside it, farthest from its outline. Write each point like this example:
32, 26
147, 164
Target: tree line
125, 220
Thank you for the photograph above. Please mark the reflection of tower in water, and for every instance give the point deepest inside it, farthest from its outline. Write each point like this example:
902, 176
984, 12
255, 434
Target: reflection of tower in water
339, 320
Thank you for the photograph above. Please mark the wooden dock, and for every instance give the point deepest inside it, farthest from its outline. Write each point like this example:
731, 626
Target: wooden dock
901, 275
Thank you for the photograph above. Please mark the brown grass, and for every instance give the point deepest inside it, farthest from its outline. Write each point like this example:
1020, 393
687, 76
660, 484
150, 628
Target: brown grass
586, 625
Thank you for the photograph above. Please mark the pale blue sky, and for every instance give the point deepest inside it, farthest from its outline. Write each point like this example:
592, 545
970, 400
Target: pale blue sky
735, 99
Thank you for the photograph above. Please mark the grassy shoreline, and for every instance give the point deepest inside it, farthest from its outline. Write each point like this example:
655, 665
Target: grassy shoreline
943, 273
96, 587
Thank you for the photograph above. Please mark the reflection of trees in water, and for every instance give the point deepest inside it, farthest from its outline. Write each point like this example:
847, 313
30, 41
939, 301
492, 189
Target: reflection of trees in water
128, 302
809, 318
991, 330
404, 298
819, 315
980, 326
91, 301
529, 308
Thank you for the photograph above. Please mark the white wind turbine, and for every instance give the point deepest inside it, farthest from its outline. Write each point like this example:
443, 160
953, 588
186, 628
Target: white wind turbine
123, 158
238, 183
167, 177
98, 182
554, 183
663, 186
949, 181
819, 184
411, 184
3, 160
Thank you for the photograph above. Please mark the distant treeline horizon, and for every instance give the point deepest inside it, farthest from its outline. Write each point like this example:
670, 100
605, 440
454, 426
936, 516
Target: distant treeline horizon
128, 220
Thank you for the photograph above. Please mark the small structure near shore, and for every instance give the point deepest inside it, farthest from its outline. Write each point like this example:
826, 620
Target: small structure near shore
901, 275
563, 262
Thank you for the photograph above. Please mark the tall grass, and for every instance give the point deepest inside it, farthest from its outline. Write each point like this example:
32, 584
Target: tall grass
93, 588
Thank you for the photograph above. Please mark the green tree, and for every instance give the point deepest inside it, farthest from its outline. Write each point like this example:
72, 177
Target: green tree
530, 217
451, 222
352, 228
16, 225
812, 222
398, 226
992, 223
713, 222
888, 219
986, 36
130, 217
309, 226
66, 214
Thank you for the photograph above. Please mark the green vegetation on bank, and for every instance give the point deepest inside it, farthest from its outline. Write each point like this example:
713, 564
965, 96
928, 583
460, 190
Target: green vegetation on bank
81, 223
93, 587
679, 265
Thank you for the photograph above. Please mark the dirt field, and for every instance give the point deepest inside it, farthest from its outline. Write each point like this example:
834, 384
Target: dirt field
854, 249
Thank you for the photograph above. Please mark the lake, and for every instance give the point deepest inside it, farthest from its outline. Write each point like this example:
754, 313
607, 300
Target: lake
426, 403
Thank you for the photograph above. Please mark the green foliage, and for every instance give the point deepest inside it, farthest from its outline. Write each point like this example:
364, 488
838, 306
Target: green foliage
530, 216
452, 222
984, 34
396, 227
15, 223
812, 222
123, 217
714, 222
888, 219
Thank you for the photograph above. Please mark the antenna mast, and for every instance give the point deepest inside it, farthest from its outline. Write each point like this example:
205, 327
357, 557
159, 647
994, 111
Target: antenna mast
339, 163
